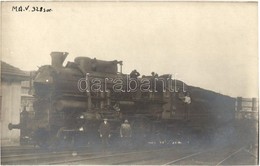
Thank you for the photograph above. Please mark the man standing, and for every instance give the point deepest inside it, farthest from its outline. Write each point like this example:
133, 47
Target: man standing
24, 121
104, 131
126, 133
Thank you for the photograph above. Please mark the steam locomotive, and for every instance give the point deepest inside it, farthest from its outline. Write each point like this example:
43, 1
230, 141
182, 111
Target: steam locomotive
72, 100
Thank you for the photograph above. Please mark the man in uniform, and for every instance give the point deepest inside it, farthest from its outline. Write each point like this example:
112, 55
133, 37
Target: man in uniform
126, 133
104, 131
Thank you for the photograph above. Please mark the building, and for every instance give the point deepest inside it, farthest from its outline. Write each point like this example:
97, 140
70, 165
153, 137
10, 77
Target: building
10, 101
26, 97
246, 108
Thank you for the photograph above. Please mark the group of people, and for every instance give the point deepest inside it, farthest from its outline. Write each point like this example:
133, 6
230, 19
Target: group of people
125, 133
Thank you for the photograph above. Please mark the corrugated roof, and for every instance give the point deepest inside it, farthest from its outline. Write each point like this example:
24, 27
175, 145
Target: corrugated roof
9, 70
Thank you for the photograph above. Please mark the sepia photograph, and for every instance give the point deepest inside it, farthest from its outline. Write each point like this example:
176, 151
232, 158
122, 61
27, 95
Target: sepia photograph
129, 83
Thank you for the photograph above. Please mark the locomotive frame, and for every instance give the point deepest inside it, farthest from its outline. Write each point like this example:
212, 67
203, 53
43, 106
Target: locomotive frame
67, 108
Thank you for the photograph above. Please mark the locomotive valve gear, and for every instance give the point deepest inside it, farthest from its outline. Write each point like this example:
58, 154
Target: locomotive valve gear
116, 107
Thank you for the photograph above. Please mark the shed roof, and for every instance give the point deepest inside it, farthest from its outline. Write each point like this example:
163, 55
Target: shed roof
10, 72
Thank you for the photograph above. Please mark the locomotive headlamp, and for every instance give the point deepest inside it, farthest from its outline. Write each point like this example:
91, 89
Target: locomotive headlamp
81, 129
47, 80
187, 99
81, 117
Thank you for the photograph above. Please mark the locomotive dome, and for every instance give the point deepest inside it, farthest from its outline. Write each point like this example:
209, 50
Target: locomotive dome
93, 65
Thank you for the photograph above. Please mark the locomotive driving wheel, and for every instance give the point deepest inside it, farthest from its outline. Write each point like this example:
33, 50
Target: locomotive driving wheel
141, 130
45, 138
42, 137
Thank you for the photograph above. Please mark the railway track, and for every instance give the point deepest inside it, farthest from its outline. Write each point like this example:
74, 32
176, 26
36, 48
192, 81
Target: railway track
110, 155
67, 157
174, 155
39, 158
229, 156
24, 155
7, 153
216, 156
242, 155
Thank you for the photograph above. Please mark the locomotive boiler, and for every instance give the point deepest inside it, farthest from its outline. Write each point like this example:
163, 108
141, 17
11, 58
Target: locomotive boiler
71, 101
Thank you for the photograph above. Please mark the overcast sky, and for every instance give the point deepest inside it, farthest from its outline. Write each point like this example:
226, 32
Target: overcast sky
210, 45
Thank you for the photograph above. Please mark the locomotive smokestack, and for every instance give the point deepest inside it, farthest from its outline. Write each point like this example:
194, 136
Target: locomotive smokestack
57, 58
